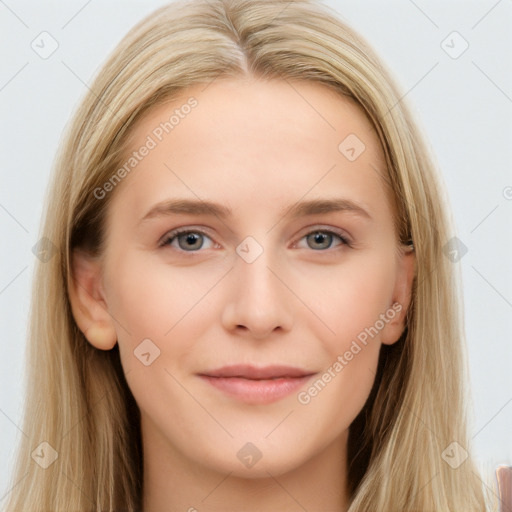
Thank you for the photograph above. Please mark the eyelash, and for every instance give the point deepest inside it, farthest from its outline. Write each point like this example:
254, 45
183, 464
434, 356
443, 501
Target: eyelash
169, 237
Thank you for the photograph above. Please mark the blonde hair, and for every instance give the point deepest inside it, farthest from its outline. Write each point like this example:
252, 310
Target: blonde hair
78, 400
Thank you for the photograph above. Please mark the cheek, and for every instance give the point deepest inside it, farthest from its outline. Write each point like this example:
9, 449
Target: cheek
348, 298
151, 299
350, 304
339, 393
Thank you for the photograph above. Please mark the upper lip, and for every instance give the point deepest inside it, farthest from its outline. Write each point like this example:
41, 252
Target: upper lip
257, 373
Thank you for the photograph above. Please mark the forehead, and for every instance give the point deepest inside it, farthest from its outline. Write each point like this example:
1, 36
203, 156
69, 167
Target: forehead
252, 143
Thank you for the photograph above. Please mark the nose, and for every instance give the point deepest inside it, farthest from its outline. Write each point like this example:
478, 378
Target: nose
259, 301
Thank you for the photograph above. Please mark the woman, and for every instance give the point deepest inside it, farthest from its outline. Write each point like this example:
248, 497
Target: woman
249, 296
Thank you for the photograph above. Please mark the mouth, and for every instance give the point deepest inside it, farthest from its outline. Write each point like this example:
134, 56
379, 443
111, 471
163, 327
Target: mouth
253, 385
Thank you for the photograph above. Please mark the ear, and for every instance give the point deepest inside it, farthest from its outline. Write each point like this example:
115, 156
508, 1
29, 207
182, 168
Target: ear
88, 302
402, 294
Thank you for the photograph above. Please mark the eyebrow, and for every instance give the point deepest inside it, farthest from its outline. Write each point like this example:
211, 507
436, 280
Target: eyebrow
299, 209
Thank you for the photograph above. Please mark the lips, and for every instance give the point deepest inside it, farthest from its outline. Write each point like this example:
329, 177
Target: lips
253, 385
254, 373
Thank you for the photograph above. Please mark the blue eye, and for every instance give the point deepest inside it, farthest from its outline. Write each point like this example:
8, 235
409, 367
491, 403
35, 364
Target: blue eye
323, 239
192, 240
188, 240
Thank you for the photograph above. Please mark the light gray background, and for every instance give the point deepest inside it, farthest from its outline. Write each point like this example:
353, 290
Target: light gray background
464, 105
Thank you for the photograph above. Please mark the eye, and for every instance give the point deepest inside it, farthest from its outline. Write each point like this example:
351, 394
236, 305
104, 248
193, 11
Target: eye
187, 239
191, 240
322, 239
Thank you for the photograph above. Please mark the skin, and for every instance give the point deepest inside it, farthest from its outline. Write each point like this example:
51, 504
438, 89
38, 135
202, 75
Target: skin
258, 147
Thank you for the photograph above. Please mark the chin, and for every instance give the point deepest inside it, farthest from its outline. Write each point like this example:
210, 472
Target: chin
250, 462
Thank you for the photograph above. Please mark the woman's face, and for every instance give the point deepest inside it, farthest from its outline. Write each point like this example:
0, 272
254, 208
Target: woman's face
250, 341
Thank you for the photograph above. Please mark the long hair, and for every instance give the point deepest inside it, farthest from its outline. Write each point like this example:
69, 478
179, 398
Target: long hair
77, 399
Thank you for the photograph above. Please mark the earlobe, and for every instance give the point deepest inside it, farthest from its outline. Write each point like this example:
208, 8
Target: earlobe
88, 302
402, 296
100, 335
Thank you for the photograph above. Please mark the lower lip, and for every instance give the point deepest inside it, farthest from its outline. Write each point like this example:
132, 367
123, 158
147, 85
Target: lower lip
257, 391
